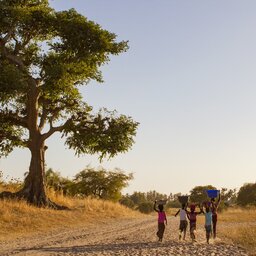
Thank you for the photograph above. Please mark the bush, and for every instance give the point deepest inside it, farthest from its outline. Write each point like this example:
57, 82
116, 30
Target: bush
145, 207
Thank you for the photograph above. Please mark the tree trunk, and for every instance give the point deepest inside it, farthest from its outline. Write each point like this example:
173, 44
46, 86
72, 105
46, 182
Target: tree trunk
34, 187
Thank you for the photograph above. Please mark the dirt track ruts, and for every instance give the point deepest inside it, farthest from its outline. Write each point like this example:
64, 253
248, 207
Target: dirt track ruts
134, 237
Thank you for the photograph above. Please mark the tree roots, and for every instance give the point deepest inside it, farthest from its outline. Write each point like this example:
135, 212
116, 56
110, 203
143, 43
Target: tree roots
42, 202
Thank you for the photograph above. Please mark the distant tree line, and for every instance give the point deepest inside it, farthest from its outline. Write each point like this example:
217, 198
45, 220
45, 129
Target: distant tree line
90, 182
98, 183
143, 202
108, 185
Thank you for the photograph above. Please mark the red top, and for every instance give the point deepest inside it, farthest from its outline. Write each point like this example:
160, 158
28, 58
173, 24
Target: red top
161, 217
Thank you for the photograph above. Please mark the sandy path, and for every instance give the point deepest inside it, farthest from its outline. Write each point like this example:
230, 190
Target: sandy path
123, 237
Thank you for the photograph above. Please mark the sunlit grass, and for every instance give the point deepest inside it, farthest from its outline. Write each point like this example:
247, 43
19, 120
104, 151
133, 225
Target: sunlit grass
20, 219
239, 225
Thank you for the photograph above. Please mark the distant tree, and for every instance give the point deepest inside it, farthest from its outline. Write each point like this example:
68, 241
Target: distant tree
247, 194
138, 197
145, 207
173, 200
55, 181
101, 183
125, 200
198, 194
228, 196
45, 56
151, 196
173, 204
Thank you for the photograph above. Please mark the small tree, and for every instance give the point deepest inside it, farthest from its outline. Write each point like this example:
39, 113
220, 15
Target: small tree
101, 183
45, 56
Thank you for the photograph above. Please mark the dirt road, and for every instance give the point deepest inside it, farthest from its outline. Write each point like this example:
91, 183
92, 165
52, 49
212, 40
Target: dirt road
123, 237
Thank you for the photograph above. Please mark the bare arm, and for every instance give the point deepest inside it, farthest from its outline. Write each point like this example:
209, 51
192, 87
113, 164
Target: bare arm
177, 213
188, 215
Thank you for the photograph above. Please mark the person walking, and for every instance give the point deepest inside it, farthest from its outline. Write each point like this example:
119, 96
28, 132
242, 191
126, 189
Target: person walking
208, 221
162, 221
183, 221
192, 214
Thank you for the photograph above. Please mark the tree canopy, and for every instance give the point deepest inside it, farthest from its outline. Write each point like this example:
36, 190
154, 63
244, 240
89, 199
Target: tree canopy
45, 56
247, 194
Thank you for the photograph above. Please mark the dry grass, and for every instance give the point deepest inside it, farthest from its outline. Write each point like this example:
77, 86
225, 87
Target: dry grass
239, 225
20, 219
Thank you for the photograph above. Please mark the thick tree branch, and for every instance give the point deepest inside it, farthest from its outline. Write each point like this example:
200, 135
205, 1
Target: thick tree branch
52, 130
21, 45
7, 36
12, 58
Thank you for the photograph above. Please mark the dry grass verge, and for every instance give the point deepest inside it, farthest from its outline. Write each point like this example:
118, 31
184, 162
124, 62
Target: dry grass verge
20, 219
239, 225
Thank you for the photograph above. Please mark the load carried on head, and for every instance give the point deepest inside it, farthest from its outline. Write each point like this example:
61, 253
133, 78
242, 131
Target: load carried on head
212, 193
183, 199
161, 201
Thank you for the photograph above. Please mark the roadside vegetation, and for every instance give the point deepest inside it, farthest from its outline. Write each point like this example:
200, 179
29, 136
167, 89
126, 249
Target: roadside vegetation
19, 219
96, 193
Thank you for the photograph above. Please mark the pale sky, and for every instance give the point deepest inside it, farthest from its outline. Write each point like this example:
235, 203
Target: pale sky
189, 79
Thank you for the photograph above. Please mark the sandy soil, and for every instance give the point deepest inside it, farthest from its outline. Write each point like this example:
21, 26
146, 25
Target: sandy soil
134, 237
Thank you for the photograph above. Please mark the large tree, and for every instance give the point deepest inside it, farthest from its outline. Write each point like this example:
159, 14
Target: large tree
45, 56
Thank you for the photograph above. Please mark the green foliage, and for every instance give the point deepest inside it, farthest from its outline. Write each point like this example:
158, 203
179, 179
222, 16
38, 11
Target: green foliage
104, 133
126, 200
55, 181
142, 201
45, 55
228, 197
145, 207
247, 194
198, 194
101, 183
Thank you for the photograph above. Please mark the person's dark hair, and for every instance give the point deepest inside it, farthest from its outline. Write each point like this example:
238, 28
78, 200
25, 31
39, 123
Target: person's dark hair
160, 207
213, 199
183, 206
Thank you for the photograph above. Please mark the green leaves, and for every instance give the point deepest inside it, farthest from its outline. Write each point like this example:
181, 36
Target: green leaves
101, 183
10, 137
104, 133
44, 56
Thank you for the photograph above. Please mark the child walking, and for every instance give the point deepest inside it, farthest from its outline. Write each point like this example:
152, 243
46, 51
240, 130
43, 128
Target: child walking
208, 222
183, 221
162, 221
192, 221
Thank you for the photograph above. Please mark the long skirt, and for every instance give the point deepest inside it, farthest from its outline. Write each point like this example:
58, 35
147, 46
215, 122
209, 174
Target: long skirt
160, 232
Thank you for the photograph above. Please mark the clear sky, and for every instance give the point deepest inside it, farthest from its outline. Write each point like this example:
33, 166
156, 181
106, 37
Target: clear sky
189, 78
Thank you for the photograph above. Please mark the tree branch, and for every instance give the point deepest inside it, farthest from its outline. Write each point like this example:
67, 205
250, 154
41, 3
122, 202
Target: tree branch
52, 130
7, 37
12, 58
